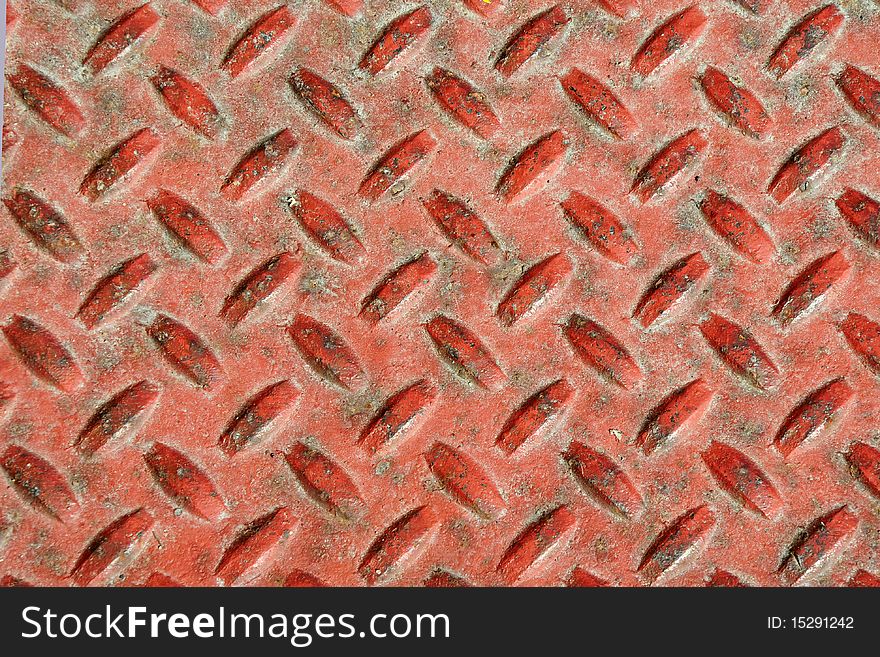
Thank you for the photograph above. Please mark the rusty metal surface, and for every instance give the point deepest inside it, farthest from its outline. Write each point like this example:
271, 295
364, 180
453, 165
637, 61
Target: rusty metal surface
488, 293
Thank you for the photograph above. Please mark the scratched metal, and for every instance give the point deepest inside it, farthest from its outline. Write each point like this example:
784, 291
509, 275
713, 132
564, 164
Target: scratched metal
466, 292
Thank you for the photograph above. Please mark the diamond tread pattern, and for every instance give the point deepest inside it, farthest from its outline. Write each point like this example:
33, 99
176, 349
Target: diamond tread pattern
454, 293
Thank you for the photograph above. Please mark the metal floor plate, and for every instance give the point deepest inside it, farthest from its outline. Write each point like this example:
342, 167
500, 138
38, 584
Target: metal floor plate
466, 292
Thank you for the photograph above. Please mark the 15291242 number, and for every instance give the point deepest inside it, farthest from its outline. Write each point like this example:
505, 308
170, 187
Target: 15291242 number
822, 622
811, 623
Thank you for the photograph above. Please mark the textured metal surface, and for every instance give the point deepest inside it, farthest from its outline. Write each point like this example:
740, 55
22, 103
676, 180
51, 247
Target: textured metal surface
463, 292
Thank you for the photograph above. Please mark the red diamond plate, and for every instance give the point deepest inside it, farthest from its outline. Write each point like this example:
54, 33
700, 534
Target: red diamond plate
478, 292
